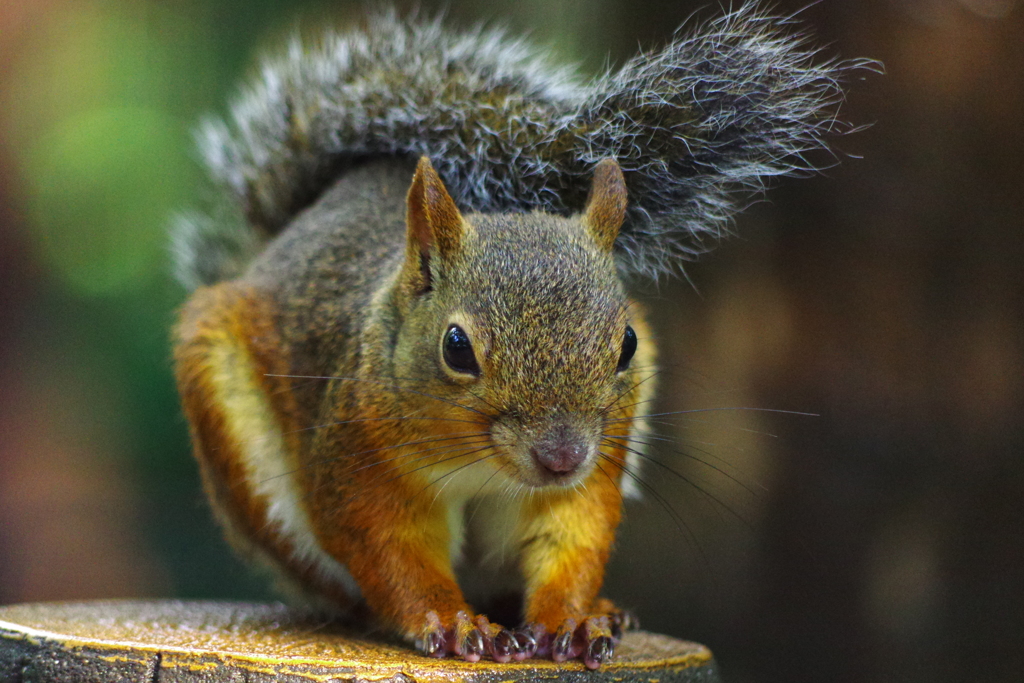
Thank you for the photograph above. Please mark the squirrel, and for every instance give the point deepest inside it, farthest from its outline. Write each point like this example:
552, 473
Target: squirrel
410, 344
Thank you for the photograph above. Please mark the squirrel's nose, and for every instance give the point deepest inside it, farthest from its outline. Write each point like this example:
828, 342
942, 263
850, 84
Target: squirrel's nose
560, 455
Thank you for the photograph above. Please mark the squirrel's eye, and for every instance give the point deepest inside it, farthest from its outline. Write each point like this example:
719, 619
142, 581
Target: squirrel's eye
458, 351
628, 349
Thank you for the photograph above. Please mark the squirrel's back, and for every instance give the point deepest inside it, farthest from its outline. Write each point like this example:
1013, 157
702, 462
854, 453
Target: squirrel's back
353, 232
321, 273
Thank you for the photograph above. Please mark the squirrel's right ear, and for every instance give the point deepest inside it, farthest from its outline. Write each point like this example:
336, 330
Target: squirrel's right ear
435, 226
606, 205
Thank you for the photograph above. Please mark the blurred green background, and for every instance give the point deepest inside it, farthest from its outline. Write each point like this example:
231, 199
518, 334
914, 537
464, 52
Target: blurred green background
880, 541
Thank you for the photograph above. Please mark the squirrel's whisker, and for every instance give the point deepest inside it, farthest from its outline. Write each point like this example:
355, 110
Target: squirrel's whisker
458, 469
404, 459
689, 420
378, 481
680, 523
696, 411
427, 452
258, 439
386, 384
441, 462
615, 484
265, 437
613, 406
694, 484
324, 461
477, 496
629, 390
613, 442
649, 439
662, 500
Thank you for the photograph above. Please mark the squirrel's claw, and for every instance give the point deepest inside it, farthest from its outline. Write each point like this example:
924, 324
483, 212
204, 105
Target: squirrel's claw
622, 621
511, 645
528, 643
474, 646
432, 642
463, 638
505, 646
592, 640
562, 646
472, 637
599, 651
468, 640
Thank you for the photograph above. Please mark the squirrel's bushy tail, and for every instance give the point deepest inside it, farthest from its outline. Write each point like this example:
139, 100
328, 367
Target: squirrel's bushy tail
695, 125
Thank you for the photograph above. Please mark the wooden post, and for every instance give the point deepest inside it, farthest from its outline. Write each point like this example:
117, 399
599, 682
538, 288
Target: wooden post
213, 642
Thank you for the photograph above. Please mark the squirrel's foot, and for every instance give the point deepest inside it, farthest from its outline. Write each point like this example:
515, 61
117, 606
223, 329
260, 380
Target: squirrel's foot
471, 638
591, 639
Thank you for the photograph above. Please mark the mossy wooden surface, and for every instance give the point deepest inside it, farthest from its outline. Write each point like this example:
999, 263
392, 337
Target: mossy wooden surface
160, 642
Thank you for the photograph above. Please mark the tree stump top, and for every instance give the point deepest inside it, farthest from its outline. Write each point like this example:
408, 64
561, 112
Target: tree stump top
168, 641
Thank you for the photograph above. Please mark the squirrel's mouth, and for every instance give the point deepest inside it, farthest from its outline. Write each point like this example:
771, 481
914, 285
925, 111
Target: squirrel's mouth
561, 479
541, 477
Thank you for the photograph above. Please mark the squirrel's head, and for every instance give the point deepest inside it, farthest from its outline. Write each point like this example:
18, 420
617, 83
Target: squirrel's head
520, 324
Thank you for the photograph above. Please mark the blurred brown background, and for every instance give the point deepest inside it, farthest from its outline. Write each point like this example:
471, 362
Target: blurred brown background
882, 540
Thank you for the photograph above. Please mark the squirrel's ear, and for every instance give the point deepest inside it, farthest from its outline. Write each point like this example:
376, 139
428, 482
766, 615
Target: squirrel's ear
432, 220
606, 204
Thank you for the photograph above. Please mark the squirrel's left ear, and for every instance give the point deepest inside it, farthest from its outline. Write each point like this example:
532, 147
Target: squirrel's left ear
435, 226
606, 204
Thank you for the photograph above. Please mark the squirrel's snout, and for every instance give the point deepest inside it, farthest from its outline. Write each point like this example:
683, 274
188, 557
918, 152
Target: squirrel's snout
547, 454
560, 453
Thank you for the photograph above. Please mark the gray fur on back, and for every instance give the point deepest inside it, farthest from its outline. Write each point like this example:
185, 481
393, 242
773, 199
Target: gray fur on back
695, 126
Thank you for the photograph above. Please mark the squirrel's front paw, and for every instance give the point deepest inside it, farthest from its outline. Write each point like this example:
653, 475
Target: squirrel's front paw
472, 637
591, 639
